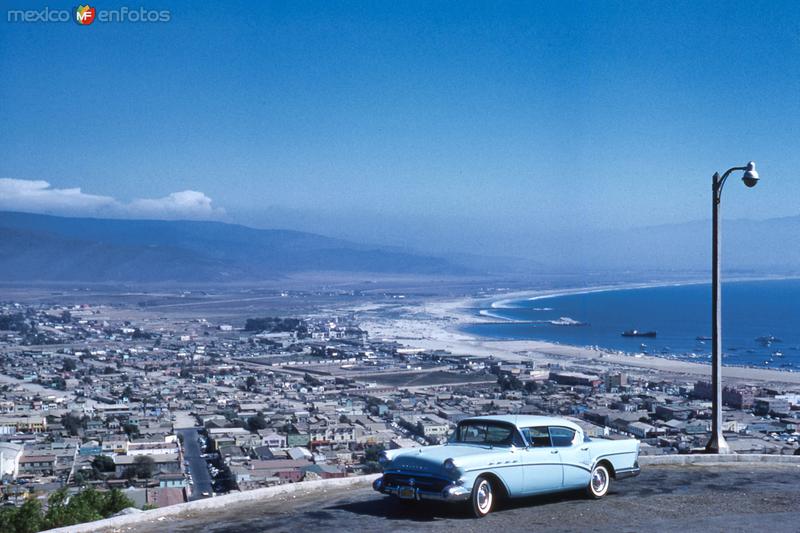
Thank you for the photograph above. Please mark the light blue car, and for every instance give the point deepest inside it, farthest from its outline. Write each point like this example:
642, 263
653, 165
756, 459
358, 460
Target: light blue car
490, 457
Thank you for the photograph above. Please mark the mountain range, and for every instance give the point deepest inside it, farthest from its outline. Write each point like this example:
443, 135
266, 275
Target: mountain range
37, 247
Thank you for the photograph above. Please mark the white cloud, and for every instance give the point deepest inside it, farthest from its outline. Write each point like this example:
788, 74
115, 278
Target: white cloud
192, 204
29, 195
38, 196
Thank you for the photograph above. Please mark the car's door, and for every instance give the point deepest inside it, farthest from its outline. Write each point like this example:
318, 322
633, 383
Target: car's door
575, 457
542, 470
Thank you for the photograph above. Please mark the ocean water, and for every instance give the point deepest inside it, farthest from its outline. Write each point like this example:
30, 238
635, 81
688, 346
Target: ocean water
753, 311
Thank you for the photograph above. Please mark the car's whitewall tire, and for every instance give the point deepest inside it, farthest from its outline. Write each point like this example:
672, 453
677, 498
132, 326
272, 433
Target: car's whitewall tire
483, 497
599, 482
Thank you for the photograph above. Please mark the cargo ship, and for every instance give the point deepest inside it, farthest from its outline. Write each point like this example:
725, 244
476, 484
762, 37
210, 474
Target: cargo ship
637, 333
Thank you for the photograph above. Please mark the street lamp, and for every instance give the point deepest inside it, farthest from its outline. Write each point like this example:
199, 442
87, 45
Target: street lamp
750, 178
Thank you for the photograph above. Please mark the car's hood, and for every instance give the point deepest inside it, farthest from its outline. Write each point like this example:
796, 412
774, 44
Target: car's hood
430, 459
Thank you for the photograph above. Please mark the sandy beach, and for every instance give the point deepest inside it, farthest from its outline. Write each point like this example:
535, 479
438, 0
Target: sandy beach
436, 325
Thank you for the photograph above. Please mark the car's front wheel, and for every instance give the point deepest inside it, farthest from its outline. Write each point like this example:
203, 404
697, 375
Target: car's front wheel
600, 482
483, 497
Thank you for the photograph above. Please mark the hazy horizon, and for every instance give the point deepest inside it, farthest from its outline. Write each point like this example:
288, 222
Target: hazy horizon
436, 128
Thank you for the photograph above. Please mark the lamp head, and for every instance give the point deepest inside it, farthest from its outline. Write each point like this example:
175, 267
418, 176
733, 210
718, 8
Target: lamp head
750, 177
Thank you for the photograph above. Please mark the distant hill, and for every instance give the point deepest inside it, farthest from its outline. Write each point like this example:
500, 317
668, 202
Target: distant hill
760, 247
49, 248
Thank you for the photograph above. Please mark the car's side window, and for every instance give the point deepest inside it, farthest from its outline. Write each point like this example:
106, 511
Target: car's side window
562, 436
537, 437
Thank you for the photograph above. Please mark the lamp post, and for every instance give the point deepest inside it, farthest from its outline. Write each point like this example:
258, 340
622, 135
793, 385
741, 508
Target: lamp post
717, 443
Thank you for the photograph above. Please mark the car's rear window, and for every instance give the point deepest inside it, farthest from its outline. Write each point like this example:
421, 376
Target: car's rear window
562, 436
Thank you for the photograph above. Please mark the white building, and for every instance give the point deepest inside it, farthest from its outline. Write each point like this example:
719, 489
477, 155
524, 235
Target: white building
10, 454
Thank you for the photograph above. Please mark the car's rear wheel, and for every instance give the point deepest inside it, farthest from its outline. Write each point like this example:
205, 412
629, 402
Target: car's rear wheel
600, 481
483, 497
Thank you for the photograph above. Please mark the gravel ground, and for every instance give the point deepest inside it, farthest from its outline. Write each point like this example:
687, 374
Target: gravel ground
729, 498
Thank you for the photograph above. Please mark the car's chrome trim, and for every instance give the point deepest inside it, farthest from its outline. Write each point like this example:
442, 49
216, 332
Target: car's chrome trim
451, 493
622, 473
420, 472
628, 472
519, 465
615, 453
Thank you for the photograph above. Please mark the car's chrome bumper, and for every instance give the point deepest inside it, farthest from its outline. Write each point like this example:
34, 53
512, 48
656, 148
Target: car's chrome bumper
628, 472
451, 493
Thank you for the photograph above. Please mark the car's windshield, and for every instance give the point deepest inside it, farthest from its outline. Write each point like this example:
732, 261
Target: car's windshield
484, 432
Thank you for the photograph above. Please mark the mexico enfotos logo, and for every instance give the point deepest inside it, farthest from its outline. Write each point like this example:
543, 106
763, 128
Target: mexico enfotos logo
85, 15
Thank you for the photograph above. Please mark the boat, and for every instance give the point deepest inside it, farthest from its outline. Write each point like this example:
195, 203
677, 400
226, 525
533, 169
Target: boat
766, 340
637, 333
702, 338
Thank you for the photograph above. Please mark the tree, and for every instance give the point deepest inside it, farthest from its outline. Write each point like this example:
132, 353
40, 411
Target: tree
25, 519
509, 383
103, 463
372, 452
115, 501
74, 423
142, 467
85, 506
139, 334
69, 365
8, 516
84, 475
130, 429
372, 467
250, 382
255, 423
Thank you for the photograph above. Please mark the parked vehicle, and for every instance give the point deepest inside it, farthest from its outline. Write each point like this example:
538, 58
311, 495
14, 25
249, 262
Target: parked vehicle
490, 457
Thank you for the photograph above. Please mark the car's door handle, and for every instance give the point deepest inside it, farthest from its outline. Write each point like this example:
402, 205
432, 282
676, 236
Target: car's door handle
585, 449
553, 451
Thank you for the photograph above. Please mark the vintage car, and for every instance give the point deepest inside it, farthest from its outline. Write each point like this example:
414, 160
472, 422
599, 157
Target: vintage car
491, 457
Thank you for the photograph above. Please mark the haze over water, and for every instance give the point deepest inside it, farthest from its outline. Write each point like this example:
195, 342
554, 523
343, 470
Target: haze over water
752, 310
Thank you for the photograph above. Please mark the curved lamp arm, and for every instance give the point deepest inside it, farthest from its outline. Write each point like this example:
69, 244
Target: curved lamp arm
719, 182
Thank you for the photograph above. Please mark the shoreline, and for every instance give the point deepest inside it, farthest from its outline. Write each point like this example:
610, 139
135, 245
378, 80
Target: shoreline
436, 325
534, 295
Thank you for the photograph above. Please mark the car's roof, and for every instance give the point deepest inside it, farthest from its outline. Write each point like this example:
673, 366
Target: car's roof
529, 420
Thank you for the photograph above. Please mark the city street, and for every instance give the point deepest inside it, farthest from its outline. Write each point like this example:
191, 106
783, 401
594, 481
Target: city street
197, 465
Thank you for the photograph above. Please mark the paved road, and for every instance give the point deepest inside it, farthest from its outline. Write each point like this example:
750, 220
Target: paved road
735, 498
197, 465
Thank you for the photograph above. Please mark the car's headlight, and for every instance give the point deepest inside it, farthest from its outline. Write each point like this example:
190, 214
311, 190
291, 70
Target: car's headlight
449, 465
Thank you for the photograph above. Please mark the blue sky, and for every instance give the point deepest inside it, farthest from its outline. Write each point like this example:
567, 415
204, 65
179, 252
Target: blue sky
406, 121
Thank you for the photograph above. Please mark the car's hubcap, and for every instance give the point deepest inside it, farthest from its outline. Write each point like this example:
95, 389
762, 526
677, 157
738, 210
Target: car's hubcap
599, 480
484, 497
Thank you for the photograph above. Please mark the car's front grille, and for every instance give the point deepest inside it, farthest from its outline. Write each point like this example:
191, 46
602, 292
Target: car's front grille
427, 483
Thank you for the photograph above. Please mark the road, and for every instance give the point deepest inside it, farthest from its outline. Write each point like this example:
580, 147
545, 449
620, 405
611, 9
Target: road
731, 498
197, 465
